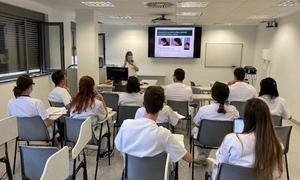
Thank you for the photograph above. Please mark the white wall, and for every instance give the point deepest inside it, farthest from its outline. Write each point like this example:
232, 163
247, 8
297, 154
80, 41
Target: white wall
284, 43
120, 39
43, 85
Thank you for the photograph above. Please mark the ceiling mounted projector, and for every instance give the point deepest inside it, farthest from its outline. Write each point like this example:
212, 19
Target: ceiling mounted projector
162, 20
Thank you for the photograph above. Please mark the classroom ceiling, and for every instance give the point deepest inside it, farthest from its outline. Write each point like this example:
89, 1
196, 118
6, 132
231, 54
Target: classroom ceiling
217, 12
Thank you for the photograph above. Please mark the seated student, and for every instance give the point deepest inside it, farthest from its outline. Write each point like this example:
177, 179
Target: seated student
178, 91
218, 110
60, 93
269, 93
25, 106
132, 96
239, 89
88, 103
263, 154
152, 139
166, 115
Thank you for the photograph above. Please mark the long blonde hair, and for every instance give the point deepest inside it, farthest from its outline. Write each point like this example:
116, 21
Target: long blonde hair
268, 150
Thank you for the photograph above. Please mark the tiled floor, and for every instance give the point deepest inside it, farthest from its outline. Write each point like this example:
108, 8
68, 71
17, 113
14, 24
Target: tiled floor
113, 172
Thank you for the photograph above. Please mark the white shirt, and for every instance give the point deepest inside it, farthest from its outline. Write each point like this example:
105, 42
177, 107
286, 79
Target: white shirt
25, 106
60, 95
143, 138
131, 69
241, 91
210, 112
237, 149
277, 106
165, 115
178, 92
131, 99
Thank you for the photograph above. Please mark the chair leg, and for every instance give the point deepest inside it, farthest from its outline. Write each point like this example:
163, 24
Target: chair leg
108, 142
85, 175
193, 164
7, 164
98, 152
287, 167
114, 131
15, 157
74, 170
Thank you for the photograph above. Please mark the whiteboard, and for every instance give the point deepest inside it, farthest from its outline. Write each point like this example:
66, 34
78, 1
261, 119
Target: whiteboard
223, 54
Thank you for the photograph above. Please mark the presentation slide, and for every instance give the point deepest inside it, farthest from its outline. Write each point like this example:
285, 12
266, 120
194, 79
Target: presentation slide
174, 42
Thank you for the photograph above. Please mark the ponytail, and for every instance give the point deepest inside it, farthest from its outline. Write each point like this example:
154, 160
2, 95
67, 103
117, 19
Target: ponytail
17, 92
222, 108
23, 82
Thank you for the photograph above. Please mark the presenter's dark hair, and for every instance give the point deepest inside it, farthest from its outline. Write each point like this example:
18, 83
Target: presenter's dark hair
23, 83
127, 54
268, 86
58, 76
154, 99
133, 85
239, 74
220, 93
179, 74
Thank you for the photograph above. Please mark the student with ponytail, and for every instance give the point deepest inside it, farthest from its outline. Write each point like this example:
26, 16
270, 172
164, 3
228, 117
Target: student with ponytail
218, 110
257, 147
25, 106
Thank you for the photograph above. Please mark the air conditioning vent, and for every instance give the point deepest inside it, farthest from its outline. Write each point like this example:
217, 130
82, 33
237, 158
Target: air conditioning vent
159, 5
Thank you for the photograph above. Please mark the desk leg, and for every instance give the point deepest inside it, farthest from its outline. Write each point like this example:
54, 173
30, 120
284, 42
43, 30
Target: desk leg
53, 137
176, 171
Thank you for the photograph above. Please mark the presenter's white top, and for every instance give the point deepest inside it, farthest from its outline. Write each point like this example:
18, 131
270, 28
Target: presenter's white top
131, 69
237, 149
277, 106
60, 95
178, 92
210, 112
25, 106
164, 116
131, 99
143, 138
241, 91
96, 112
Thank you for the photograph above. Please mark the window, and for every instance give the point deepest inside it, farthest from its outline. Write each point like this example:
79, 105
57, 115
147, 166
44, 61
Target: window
28, 44
74, 48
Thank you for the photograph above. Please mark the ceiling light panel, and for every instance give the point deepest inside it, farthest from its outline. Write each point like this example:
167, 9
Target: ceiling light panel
289, 3
98, 3
120, 17
189, 13
201, 4
260, 17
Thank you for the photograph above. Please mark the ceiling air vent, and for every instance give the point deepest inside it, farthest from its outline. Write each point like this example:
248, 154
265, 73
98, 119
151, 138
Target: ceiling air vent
160, 5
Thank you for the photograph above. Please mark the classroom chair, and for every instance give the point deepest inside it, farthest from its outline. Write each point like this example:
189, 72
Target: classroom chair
182, 107
145, 168
111, 100
240, 106
30, 129
277, 120
210, 136
284, 134
6, 135
124, 112
72, 132
119, 88
233, 172
167, 126
56, 104
44, 163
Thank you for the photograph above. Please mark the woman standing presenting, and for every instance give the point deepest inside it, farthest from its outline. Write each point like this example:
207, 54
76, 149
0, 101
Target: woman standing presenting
130, 64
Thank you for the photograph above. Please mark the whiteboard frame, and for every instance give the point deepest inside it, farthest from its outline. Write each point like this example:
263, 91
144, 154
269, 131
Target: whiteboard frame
242, 51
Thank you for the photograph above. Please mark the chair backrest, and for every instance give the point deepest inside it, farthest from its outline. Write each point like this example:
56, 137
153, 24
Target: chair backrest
146, 168
240, 106
111, 100
126, 112
56, 104
33, 160
57, 165
165, 125
284, 134
8, 129
234, 172
196, 90
32, 129
84, 137
212, 132
277, 120
182, 107
72, 127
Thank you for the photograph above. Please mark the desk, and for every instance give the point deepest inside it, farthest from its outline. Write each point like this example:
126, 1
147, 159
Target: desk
180, 139
56, 112
160, 77
145, 84
201, 98
203, 89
